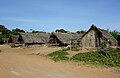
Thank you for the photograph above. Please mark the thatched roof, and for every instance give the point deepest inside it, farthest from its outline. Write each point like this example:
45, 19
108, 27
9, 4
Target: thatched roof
66, 37
13, 38
104, 33
35, 37
6, 39
108, 36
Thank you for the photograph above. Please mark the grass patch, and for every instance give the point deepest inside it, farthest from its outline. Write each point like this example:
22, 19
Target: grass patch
106, 57
59, 55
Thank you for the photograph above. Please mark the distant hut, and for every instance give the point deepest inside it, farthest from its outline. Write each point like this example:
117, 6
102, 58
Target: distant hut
62, 39
5, 40
95, 36
13, 39
34, 38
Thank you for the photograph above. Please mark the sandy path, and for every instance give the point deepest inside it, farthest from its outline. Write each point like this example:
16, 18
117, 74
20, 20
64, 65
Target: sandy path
14, 63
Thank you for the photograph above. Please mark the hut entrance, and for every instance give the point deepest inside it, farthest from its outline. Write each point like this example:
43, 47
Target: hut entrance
54, 41
20, 40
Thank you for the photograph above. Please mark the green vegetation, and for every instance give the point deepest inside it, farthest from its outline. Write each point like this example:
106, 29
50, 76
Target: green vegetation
103, 44
59, 55
61, 31
34, 31
106, 57
81, 32
65, 49
5, 33
4, 30
17, 31
115, 34
2, 36
74, 46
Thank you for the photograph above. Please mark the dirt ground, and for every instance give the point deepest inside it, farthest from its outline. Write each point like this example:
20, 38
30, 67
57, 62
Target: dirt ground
19, 63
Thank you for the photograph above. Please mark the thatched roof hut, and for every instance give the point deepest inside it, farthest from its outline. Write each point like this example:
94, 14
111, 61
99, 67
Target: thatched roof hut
94, 36
63, 38
108, 36
5, 40
34, 38
13, 39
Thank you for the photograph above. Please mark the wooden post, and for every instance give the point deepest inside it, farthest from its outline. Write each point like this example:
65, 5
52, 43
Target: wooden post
108, 44
70, 45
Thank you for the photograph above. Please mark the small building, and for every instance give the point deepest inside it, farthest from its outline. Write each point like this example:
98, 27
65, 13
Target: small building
95, 36
33, 38
63, 39
13, 39
5, 40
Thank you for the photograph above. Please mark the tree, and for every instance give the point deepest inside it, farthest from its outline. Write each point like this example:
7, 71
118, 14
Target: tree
34, 31
38, 31
61, 30
4, 30
4, 33
81, 32
115, 34
17, 31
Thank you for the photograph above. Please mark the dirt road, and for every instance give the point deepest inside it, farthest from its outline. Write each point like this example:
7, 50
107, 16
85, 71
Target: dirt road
16, 63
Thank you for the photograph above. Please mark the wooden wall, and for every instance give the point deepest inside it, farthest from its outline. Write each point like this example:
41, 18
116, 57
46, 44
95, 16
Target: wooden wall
91, 39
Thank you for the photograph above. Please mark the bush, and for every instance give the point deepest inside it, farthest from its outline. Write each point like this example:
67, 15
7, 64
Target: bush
107, 57
65, 49
106, 51
59, 55
103, 44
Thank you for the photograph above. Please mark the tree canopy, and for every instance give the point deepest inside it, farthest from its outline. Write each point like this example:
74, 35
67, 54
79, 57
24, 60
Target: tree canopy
17, 31
115, 34
81, 32
34, 31
61, 30
4, 30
